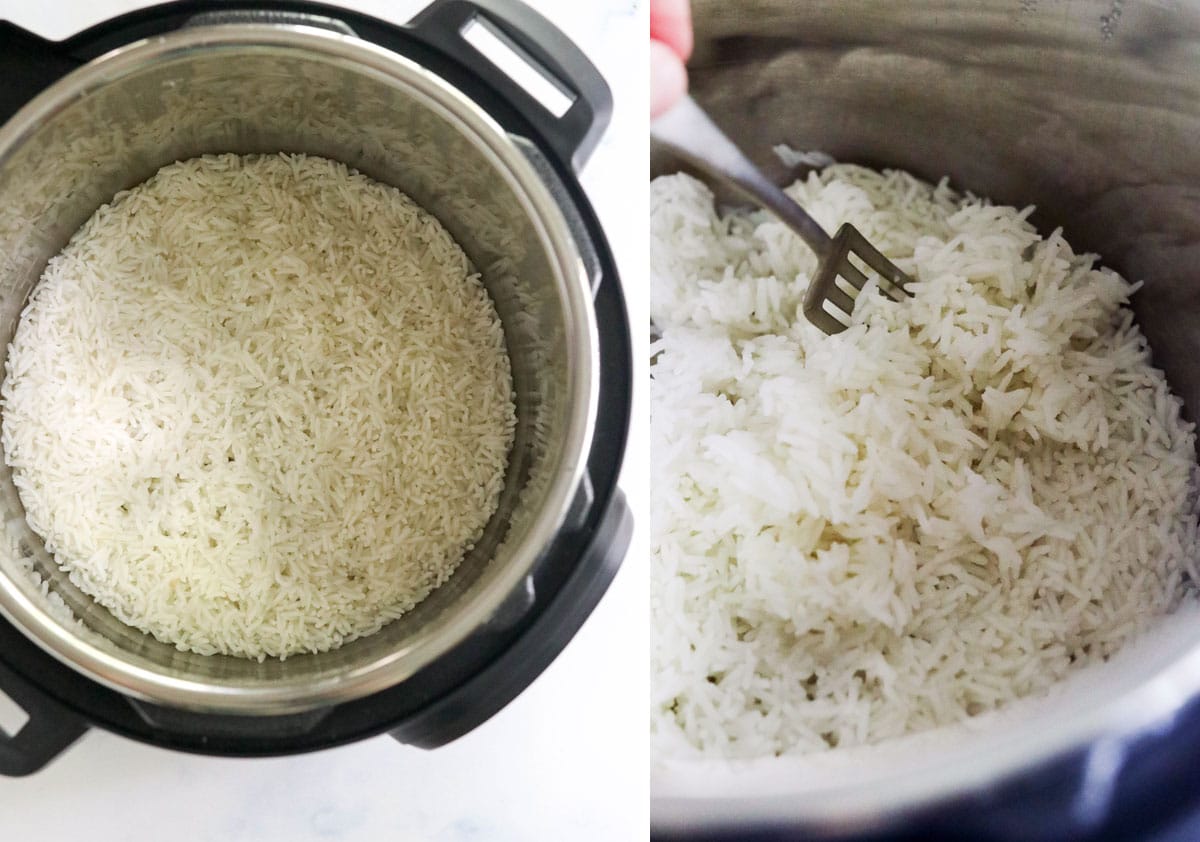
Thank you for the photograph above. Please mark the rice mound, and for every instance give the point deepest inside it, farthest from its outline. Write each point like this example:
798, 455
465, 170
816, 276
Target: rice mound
949, 506
259, 405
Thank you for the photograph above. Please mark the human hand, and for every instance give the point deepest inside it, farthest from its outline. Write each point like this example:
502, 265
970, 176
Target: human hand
670, 46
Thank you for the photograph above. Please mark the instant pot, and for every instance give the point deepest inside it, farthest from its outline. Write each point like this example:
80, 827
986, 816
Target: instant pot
1089, 109
423, 107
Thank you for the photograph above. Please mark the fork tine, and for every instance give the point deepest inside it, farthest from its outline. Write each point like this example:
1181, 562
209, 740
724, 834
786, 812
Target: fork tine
851, 273
893, 289
816, 314
894, 279
819, 288
891, 279
836, 263
840, 298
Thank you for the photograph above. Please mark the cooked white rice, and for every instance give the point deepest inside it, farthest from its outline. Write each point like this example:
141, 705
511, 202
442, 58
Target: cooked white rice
259, 405
949, 506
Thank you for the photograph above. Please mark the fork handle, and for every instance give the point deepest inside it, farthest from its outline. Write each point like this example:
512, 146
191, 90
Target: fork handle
688, 132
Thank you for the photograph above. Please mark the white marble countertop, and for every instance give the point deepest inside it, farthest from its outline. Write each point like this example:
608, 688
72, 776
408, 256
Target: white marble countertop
565, 761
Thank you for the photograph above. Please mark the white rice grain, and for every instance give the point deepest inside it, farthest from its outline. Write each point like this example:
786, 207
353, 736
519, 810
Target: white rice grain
259, 405
949, 506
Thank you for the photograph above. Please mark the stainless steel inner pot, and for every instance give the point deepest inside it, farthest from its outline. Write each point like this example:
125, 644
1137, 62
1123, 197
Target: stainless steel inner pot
268, 88
1089, 109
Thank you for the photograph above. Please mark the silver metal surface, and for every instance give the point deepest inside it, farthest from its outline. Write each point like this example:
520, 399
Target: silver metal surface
267, 88
686, 130
1089, 109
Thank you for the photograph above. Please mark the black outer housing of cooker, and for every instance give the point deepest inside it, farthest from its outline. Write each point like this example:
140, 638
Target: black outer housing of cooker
469, 684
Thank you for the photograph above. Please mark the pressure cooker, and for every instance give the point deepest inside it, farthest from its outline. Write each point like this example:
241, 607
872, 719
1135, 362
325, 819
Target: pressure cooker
424, 107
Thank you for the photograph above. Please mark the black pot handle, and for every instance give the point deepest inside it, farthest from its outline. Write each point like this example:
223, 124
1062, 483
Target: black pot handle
51, 728
573, 134
482, 696
28, 64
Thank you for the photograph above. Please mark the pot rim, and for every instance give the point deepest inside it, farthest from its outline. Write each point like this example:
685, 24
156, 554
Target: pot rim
687, 794
135, 677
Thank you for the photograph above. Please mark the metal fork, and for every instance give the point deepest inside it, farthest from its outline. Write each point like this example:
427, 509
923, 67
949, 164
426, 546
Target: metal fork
687, 131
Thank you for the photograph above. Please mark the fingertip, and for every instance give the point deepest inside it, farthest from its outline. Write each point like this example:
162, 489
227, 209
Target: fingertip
671, 23
668, 78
